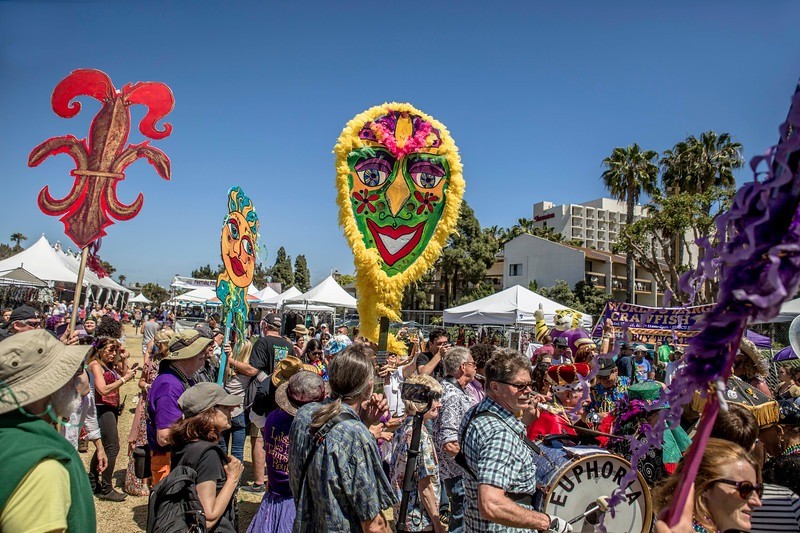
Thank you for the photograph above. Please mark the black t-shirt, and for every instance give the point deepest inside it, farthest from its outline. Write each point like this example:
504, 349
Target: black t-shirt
266, 353
424, 358
211, 468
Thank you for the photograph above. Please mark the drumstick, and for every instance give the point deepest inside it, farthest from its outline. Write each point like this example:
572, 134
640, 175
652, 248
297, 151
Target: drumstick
601, 504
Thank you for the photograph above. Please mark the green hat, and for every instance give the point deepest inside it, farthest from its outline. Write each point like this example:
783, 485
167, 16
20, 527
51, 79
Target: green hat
648, 391
187, 344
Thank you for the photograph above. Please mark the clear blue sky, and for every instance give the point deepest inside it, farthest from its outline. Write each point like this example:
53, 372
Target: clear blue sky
535, 97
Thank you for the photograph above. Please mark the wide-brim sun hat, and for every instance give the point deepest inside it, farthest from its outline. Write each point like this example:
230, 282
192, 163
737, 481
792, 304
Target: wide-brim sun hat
286, 368
292, 405
34, 365
187, 344
300, 329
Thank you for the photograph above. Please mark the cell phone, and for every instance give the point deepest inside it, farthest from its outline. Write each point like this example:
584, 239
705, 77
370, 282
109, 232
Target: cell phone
134, 366
415, 392
381, 357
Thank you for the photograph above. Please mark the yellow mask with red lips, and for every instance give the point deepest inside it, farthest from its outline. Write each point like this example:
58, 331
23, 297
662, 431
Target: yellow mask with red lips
399, 189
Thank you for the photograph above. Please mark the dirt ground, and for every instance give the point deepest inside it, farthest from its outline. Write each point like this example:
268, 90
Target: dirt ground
131, 514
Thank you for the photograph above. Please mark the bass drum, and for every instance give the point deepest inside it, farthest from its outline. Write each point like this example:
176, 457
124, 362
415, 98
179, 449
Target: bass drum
572, 478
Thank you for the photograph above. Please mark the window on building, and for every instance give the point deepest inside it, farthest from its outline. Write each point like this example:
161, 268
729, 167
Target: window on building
515, 269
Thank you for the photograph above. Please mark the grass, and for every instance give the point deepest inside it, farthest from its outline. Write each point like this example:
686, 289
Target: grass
131, 514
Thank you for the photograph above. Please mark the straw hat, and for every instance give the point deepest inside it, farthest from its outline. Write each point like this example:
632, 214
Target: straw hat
300, 329
747, 347
302, 388
286, 368
187, 344
33, 365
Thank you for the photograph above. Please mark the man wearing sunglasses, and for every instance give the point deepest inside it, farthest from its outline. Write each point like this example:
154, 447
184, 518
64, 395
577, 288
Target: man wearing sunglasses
500, 473
23, 318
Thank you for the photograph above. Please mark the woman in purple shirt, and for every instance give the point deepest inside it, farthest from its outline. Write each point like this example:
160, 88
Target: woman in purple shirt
277, 511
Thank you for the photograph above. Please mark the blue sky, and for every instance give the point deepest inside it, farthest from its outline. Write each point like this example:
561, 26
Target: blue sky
535, 96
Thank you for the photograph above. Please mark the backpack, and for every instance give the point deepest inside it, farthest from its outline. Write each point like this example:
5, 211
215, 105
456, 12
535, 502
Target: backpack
174, 505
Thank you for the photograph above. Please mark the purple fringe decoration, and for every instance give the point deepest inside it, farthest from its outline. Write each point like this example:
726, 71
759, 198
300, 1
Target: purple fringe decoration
757, 260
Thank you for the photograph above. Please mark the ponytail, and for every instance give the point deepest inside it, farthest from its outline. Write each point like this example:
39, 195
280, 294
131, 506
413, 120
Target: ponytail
349, 375
325, 413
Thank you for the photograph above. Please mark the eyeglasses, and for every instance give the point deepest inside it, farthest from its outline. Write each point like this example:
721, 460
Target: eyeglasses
519, 386
745, 488
317, 352
470, 363
33, 323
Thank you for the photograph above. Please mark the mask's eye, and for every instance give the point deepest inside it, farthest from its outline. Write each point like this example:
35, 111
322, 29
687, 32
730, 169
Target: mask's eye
248, 246
373, 172
426, 174
233, 228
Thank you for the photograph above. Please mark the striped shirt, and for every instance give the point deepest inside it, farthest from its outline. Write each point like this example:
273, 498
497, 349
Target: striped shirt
779, 511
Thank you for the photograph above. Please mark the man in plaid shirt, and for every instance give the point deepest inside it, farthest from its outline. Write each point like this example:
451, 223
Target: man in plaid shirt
501, 479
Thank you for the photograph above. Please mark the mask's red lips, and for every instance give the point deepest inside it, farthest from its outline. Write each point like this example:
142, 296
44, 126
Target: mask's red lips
237, 266
393, 234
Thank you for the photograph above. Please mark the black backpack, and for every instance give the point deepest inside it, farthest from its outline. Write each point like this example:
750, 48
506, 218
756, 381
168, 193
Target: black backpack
174, 505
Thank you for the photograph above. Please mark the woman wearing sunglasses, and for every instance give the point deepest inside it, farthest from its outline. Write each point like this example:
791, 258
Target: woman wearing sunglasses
726, 489
313, 355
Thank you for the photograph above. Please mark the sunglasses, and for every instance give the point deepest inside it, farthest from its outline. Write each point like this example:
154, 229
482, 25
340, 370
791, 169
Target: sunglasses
317, 352
745, 488
33, 323
519, 386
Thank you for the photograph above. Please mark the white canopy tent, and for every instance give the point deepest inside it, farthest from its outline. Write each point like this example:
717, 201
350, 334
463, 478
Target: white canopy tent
277, 300
139, 299
328, 292
41, 260
513, 306
266, 293
198, 296
789, 310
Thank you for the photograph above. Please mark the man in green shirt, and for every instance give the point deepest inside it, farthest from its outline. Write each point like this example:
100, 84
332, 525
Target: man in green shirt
45, 486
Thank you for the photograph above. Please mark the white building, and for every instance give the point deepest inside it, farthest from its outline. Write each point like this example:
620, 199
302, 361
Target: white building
596, 223
528, 258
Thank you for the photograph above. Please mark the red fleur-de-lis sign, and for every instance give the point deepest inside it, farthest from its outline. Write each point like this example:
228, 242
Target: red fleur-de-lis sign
101, 161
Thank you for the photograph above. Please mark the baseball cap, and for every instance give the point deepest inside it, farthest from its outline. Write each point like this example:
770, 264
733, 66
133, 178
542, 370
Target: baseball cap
24, 312
606, 366
204, 396
273, 320
187, 344
560, 341
33, 365
640, 348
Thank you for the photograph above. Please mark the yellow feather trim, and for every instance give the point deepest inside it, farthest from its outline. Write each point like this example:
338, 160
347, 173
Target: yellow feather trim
379, 294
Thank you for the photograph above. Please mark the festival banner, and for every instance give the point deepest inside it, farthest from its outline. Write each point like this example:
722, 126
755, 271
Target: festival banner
652, 325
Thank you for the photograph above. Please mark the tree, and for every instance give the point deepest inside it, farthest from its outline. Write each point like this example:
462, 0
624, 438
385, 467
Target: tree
206, 272
260, 276
629, 172
281, 271
563, 294
696, 165
6, 251
18, 238
480, 290
346, 279
670, 219
524, 225
469, 252
108, 267
302, 276
155, 293
122, 279
593, 299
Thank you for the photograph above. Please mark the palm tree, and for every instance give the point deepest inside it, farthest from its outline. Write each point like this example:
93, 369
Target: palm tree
629, 172
122, 279
18, 238
695, 165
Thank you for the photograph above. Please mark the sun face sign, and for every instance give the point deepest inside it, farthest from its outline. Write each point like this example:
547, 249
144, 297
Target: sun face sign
239, 237
399, 190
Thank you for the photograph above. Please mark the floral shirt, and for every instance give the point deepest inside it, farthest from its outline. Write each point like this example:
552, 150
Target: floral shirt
604, 399
455, 404
417, 518
345, 483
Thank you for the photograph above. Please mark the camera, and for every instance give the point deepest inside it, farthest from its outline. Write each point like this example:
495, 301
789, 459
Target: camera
414, 392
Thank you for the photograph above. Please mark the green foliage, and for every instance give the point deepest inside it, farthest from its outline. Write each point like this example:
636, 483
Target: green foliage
206, 272
592, 298
470, 251
155, 293
533, 286
696, 165
6, 251
480, 290
346, 279
281, 271
122, 279
563, 294
524, 225
108, 267
260, 276
18, 238
302, 276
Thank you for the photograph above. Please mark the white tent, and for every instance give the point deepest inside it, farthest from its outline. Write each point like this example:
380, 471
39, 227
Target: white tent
41, 260
266, 293
328, 292
514, 305
139, 299
198, 296
277, 300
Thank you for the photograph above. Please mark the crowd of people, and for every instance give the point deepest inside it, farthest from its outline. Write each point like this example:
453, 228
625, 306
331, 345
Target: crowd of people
341, 434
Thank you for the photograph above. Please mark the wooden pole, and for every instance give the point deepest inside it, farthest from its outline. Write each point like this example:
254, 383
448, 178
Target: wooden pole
76, 300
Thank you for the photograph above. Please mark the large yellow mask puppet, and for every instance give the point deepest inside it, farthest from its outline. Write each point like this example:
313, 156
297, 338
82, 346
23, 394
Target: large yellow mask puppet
399, 183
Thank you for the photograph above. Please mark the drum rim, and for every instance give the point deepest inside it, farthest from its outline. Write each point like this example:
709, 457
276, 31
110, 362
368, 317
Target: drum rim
648, 497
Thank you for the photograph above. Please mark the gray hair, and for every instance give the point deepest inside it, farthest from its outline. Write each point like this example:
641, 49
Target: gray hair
454, 358
350, 374
504, 364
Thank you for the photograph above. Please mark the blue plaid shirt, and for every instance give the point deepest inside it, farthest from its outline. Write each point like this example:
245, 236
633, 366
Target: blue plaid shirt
496, 454
345, 483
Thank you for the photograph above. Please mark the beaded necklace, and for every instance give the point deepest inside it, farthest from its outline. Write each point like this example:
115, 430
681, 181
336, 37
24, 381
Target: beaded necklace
700, 528
791, 450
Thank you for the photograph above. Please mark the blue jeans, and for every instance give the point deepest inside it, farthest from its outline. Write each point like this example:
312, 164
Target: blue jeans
455, 492
237, 435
